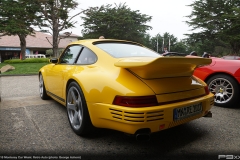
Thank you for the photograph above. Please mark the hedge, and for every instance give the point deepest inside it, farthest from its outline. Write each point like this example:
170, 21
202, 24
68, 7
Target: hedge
28, 60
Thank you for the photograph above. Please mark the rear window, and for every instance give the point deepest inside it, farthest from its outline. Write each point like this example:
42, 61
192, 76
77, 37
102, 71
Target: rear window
121, 50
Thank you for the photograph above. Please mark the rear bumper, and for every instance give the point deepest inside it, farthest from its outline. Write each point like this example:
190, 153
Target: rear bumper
156, 118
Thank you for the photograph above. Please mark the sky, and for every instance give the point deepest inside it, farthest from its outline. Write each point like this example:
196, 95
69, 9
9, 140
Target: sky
167, 15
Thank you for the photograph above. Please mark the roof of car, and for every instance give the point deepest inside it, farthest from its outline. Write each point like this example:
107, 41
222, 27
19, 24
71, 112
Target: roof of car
96, 41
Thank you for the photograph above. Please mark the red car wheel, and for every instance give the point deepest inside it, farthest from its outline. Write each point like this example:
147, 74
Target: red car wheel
226, 90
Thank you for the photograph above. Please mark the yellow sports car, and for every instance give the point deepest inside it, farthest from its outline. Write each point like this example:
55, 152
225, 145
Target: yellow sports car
124, 86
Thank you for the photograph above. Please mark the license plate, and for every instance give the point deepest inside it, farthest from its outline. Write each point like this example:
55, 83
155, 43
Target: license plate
181, 113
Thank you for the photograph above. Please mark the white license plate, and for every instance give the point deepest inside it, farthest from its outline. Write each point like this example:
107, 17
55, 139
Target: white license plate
180, 113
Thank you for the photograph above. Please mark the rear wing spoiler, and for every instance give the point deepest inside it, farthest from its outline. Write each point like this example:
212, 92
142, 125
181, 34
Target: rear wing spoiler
150, 68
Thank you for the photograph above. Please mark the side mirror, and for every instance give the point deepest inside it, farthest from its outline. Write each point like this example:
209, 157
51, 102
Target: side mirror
53, 60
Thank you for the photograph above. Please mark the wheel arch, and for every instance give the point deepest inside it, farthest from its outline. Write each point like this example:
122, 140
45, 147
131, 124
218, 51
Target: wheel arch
216, 73
79, 84
68, 83
41, 72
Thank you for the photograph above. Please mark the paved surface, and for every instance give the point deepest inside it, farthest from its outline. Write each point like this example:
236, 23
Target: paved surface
31, 126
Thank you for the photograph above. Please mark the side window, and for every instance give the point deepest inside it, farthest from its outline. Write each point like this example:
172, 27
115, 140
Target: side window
70, 54
87, 57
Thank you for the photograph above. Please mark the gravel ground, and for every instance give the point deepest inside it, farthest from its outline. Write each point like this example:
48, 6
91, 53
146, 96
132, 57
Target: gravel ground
19, 86
31, 126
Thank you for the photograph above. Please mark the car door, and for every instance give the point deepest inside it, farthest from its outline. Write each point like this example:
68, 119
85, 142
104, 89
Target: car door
59, 72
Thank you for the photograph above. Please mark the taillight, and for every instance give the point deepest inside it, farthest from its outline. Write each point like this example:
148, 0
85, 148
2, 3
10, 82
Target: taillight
206, 90
139, 101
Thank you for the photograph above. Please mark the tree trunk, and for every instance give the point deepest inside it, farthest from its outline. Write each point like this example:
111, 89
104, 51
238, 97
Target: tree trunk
23, 46
55, 38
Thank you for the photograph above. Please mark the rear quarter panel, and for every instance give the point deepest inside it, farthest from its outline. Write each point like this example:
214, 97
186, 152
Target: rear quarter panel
228, 67
101, 85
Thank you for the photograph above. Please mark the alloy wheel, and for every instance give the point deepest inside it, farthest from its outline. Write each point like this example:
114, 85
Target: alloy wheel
41, 85
74, 107
222, 89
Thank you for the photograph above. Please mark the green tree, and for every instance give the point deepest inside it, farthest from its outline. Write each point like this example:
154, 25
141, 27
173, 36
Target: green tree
218, 22
166, 40
17, 18
201, 45
115, 22
146, 41
56, 17
180, 47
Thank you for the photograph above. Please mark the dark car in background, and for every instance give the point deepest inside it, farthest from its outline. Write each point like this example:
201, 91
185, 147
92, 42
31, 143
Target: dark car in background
231, 57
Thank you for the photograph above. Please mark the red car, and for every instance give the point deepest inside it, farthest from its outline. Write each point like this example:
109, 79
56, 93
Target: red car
223, 79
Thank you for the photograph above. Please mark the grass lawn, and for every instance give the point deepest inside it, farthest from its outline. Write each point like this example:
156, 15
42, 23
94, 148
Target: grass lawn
23, 68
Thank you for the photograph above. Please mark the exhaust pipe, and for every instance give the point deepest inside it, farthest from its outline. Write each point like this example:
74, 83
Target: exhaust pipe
143, 134
208, 115
143, 137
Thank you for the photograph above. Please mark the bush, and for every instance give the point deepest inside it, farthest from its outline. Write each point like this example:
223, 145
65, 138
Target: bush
49, 52
29, 60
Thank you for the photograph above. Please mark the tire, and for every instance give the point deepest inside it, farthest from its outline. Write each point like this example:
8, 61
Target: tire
77, 110
226, 90
42, 88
